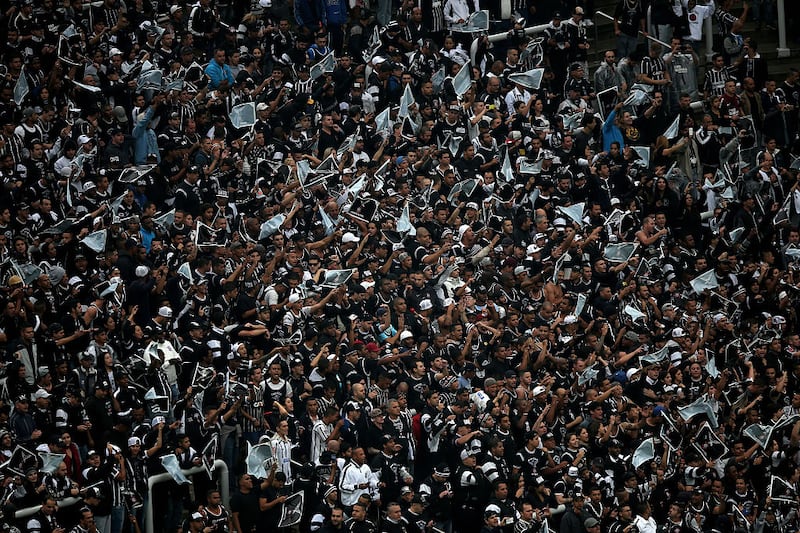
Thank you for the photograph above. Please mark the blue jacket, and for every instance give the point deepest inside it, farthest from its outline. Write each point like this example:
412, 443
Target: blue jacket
310, 13
146, 141
611, 133
217, 73
336, 12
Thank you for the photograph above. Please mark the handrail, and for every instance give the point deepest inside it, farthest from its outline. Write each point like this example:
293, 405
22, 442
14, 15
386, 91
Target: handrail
219, 466
69, 501
647, 35
540, 29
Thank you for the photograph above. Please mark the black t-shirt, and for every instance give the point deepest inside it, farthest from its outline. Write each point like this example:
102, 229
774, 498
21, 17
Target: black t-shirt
268, 520
629, 14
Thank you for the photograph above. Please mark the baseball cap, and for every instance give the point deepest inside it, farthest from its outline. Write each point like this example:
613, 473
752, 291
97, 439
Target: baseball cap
41, 393
442, 470
465, 454
349, 237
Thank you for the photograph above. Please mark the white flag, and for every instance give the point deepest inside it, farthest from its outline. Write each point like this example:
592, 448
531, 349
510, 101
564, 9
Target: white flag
166, 219
707, 280
21, 88
673, 130
697, 407
438, 80
530, 167
655, 357
573, 212
50, 461
463, 80
383, 121
735, 234
637, 97
348, 144
587, 375
171, 465
149, 80
580, 304
96, 241
476, 22
271, 226
759, 433
531, 79
634, 313
507, 170
243, 115
327, 223
406, 101
645, 452
619, 253
185, 270
404, 226
90, 88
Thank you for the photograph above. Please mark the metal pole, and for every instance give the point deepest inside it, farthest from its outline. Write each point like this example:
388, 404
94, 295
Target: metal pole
224, 490
648, 37
783, 50
708, 29
473, 48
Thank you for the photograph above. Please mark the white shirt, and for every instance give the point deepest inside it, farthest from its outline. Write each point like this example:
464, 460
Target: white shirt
696, 17
516, 95
645, 525
455, 10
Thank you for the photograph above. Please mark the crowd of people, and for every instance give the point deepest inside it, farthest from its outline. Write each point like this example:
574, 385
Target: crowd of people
396, 275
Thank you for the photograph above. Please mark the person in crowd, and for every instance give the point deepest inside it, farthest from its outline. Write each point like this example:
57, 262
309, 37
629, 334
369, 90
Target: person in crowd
382, 293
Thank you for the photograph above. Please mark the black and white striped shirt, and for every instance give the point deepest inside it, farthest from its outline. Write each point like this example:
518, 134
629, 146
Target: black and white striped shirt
714, 81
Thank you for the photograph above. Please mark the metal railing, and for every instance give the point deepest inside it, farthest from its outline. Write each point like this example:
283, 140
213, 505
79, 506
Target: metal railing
219, 466
30, 511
